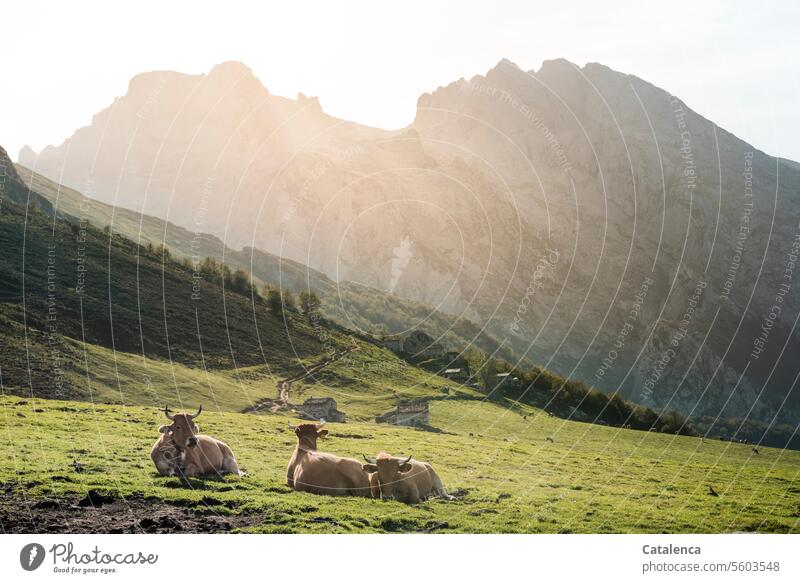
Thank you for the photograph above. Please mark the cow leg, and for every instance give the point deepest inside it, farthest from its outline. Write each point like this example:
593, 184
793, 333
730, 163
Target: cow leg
413, 494
360, 490
192, 470
229, 464
165, 468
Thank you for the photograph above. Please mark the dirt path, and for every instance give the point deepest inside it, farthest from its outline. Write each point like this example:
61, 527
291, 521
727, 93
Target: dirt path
284, 386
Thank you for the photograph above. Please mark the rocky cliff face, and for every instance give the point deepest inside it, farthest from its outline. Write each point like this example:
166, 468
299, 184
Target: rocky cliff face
594, 221
7, 169
14, 189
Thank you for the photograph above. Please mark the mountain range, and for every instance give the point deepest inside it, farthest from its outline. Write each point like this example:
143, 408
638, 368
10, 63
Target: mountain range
586, 219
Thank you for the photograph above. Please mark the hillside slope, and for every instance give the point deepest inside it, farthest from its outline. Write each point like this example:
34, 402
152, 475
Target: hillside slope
550, 206
351, 305
86, 314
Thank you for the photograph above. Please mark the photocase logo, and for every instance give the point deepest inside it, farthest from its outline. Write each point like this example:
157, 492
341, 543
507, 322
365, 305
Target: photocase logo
402, 255
31, 556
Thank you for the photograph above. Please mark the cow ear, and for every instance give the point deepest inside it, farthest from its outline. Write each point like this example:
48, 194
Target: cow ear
164, 429
369, 468
322, 433
405, 467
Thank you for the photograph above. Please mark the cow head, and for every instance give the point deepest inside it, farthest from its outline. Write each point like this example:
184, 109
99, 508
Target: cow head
183, 428
387, 470
308, 433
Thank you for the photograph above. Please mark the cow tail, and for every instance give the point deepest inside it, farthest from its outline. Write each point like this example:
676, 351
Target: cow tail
229, 464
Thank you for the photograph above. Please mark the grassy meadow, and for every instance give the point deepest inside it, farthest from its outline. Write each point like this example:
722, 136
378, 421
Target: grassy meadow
505, 473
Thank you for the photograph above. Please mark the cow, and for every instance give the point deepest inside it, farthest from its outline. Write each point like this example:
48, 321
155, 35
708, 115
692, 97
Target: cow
323, 473
164, 453
197, 455
406, 480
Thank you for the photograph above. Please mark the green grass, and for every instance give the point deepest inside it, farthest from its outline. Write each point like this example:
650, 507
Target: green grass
365, 384
589, 479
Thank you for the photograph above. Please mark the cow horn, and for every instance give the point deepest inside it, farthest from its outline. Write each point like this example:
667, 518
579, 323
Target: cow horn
166, 412
369, 459
408, 459
289, 423
199, 410
321, 423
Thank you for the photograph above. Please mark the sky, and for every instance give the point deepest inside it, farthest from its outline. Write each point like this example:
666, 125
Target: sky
736, 63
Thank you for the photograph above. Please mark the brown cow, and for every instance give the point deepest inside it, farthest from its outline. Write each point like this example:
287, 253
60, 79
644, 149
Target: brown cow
322, 473
406, 480
199, 455
164, 453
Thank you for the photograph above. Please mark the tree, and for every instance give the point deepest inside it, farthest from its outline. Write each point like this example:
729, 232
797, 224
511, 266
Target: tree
240, 282
288, 299
274, 299
208, 266
309, 302
488, 371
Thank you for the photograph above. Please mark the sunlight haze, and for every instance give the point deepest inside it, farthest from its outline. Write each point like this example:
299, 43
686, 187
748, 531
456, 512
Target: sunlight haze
738, 73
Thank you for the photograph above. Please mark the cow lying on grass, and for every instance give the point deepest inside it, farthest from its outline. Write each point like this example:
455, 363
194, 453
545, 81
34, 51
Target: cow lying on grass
323, 473
182, 450
406, 480
164, 453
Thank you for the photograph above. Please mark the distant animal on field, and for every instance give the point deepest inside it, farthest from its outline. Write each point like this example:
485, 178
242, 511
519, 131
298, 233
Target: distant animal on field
197, 455
406, 480
316, 472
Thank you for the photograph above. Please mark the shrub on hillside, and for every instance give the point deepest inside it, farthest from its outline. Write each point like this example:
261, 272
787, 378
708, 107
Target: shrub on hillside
309, 302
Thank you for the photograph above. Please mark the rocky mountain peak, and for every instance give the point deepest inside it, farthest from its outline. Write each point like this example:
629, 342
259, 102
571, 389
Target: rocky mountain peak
27, 156
232, 68
7, 169
234, 72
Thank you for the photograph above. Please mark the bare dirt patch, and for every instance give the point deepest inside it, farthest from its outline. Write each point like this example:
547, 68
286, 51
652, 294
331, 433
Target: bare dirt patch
104, 514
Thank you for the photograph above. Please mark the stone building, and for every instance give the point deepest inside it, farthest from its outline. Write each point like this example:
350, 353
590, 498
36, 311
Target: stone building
317, 408
408, 413
393, 343
504, 380
418, 343
458, 375
412, 413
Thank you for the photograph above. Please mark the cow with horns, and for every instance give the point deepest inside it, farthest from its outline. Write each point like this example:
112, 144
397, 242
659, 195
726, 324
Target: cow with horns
182, 449
401, 479
323, 473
